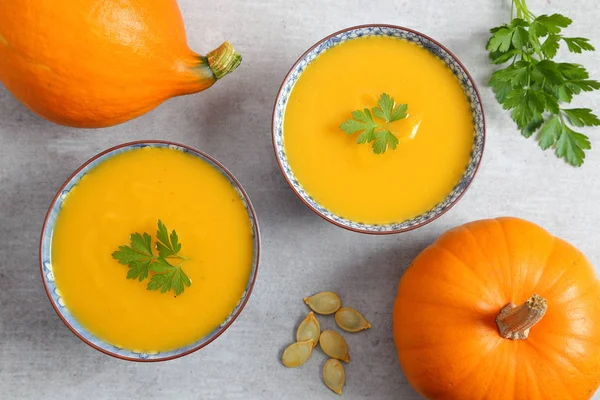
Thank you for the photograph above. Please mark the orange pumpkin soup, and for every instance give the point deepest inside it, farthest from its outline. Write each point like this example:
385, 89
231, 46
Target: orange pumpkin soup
128, 193
435, 140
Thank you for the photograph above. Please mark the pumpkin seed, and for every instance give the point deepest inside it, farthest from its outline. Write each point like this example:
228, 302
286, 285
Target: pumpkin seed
297, 353
351, 320
334, 345
309, 329
324, 303
334, 375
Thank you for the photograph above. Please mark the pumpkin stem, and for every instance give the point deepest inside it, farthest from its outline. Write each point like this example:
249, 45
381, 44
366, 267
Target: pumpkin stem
223, 60
515, 321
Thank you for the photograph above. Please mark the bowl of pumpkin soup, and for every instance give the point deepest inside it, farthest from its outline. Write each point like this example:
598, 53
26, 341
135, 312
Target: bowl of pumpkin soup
378, 129
149, 251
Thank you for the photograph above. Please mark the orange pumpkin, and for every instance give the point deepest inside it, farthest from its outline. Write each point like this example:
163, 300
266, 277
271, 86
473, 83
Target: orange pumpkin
96, 63
499, 309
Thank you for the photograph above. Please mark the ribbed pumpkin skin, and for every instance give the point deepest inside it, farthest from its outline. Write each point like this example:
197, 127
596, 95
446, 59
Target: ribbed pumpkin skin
444, 317
95, 63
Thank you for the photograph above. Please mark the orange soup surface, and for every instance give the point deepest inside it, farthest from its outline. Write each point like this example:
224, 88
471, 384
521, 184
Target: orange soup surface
128, 193
436, 138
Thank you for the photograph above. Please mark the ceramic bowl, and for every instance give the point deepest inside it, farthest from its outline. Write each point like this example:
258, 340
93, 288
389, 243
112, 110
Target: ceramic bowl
54, 293
434, 48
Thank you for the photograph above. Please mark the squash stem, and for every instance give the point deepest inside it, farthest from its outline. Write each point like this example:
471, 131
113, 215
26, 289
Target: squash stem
223, 60
514, 322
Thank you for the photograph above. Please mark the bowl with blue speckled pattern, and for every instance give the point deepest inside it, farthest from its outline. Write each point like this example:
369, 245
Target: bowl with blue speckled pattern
432, 46
54, 292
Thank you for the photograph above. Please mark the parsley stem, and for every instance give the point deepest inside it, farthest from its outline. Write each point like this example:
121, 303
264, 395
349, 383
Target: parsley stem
512, 9
560, 116
522, 10
543, 84
179, 257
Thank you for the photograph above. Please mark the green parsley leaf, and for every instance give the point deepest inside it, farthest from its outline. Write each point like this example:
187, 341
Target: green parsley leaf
581, 117
140, 259
534, 124
137, 256
139, 248
568, 144
363, 122
522, 114
520, 37
168, 277
515, 74
168, 246
586, 85
553, 23
537, 30
503, 81
573, 72
551, 103
138, 270
534, 88
577, 44
563, 93
386, 110
525, 105
547, 70
499, 57
549, 133
386, 105
518, 22
501, 39
571, 146
550, 45
384, 139
367, 136
500, 87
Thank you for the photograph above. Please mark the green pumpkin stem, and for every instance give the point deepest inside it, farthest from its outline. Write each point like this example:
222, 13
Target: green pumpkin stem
514, 322
223, 60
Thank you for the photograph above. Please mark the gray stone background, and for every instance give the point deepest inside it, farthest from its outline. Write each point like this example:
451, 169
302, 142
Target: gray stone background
302, 254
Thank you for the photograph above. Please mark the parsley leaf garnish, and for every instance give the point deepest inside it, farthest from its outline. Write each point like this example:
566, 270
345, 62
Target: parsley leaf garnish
534, 87
168, 246
386, 110
362, 121
140, 259
167, 277
137, 256
581, 117
384, 139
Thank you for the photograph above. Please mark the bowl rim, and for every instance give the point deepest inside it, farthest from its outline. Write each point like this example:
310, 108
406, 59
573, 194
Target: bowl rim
252, 278
325, 217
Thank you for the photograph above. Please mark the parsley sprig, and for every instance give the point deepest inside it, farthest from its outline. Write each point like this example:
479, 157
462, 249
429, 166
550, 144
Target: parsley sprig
141, 260
535, 88
388, 111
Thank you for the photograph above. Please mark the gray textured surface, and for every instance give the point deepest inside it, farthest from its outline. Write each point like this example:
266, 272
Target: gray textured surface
40, 358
